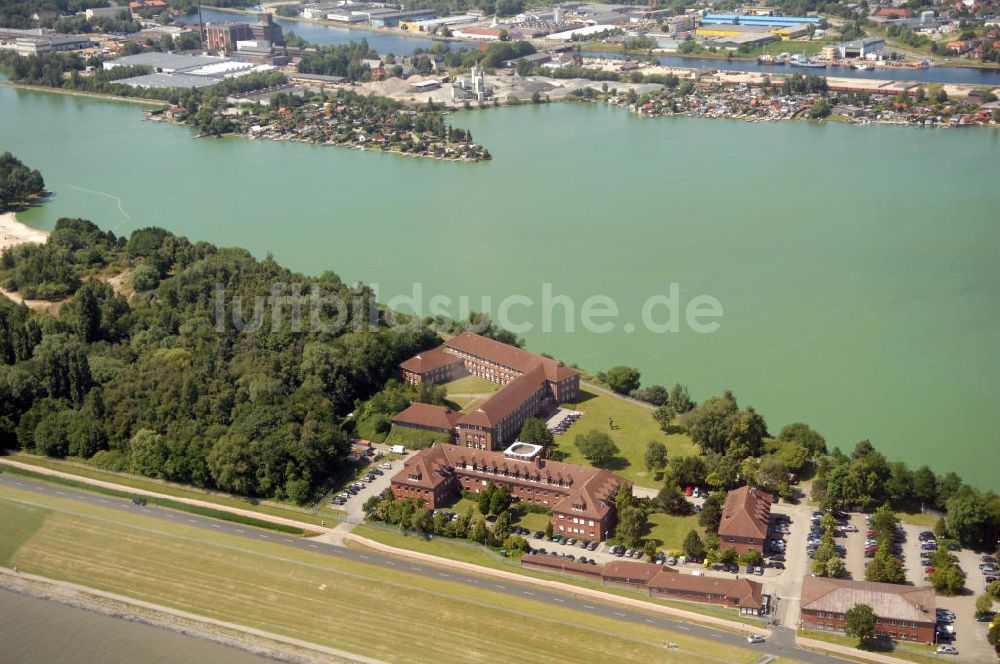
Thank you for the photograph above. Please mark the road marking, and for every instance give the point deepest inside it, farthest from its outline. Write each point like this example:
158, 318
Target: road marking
650, 620
686, 629
215, 525
587, 606
527, 592
389, 562
558, 599
170, 516
192, 521
60, 493
313, 546
286, 540
419, 569
501, 587
19, 483
240, 531
101, 500
262, 535
363, 557
619, 614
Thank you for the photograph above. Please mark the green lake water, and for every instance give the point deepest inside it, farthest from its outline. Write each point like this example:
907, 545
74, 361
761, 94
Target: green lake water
858, 268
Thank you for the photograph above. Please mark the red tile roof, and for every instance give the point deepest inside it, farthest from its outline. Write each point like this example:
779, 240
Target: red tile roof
889, 601
745, 513
507, 399
746, 593
427, 415
633, 570
588, 492
429, 360
509, 356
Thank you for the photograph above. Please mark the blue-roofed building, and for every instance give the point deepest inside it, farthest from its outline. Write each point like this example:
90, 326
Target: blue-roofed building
762, 21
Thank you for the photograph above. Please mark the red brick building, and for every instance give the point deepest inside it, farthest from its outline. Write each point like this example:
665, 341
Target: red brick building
430, 418
532, 384
904, 613
581, 498
222, 37
742, 594
744, 523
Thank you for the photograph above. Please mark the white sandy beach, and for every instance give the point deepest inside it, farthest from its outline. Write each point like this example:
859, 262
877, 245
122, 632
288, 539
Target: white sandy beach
13, 232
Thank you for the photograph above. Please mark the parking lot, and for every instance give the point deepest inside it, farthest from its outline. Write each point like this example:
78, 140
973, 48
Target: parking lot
353, 503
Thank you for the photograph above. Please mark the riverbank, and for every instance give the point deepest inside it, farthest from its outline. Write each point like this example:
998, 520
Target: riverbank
13, 232
143, 101
257, 642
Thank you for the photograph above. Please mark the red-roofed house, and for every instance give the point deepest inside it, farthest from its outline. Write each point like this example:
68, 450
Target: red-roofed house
742, 594
745, 516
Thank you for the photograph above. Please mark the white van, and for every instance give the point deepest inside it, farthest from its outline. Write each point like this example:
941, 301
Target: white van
397, 449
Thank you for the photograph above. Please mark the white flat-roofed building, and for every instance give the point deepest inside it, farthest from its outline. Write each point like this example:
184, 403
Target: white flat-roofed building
587, 30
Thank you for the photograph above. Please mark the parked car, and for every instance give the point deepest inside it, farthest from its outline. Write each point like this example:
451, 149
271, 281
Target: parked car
777, 565
850, 528
925, 536
584, 544
592, 546
755, 638
749, 569
985, 617
671, 560
946, 650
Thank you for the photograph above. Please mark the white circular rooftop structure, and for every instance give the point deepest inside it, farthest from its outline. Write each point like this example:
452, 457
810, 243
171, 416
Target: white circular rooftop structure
523, 451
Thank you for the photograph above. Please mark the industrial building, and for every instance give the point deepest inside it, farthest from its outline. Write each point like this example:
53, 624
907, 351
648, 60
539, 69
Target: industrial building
392, 19
41, 40
430, 25
763, 21
868, 48
177, 70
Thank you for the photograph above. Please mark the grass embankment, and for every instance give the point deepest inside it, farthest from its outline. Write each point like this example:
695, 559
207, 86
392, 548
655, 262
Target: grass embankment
913, 652
162, 502
634, 428
82, 469
383, 613
918, 519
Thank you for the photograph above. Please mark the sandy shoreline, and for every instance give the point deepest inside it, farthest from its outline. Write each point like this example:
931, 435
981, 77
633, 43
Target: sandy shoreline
13, 232
117, 607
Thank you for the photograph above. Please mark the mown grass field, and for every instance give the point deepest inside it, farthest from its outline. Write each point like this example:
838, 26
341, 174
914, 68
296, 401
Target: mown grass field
913, 652
670, 531
414, 439
634, 428
361, 608
284, 510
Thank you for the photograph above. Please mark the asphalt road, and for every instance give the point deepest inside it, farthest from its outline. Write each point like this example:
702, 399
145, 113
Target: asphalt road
782, 643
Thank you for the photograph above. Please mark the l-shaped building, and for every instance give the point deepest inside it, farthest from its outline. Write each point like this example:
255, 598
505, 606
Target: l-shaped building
532, 384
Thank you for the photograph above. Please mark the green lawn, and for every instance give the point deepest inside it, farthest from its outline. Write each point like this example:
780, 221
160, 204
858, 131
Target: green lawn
414, 439
284, 510
634, 428
918, 519
913, 652
470, 385
318, 598
18, 524
670, 531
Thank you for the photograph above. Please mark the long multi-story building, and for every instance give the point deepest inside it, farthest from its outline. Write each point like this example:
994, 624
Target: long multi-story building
532, 384
581, 498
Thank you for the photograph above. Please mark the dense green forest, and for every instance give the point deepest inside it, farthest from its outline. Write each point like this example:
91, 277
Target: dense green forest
19, 185
155, 385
